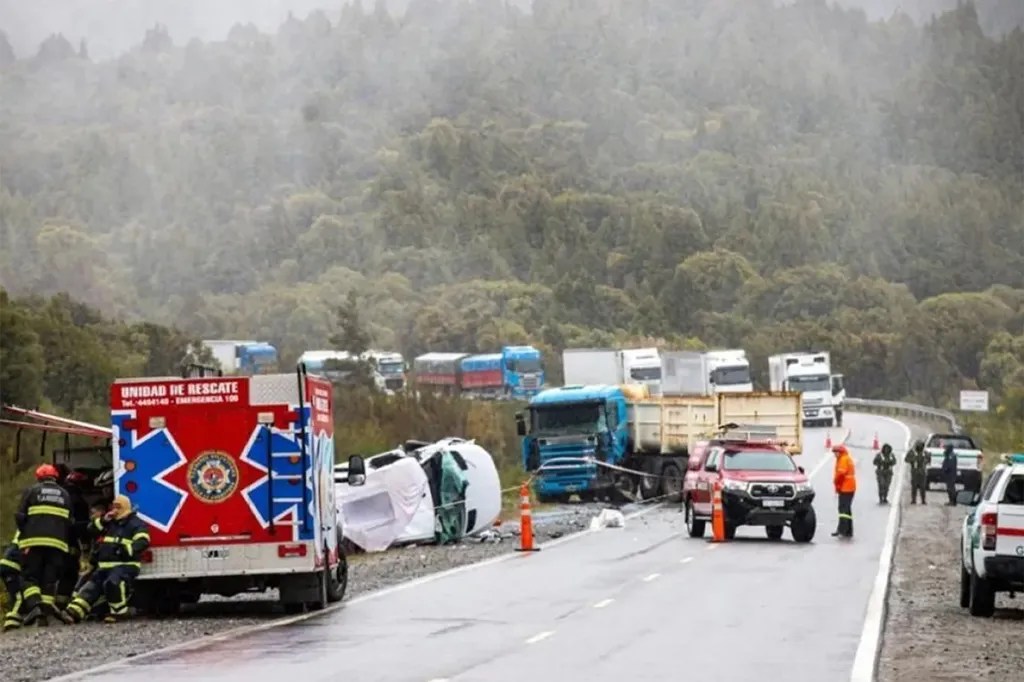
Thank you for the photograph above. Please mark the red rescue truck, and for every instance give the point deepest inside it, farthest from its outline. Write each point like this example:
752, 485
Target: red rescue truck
235, 478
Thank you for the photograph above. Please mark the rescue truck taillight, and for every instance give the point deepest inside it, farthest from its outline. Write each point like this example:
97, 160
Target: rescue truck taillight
284, 551
146, 557
989, 521
131, 487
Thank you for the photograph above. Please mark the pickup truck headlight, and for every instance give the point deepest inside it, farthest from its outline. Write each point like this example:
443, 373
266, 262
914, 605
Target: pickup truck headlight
734, 485
804, 487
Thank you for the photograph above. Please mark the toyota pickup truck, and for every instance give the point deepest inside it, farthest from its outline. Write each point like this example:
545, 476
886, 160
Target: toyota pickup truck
969, 458
761, 486
992, 538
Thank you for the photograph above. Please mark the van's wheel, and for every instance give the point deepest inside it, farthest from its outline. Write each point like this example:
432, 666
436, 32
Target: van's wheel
983, 597
965, 587
694, 527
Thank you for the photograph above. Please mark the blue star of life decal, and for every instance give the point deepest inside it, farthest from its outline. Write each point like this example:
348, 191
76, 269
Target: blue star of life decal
152, 457
289, 477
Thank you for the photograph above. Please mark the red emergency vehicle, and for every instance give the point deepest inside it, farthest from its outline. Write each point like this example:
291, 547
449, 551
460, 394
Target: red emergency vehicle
235, 478
762, 485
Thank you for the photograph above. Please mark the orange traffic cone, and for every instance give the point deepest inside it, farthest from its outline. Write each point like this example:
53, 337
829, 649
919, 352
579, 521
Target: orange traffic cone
525, 521
874, 443
828, 440
717, 514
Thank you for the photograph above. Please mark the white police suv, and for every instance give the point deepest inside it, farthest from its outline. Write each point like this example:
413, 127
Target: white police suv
992, 538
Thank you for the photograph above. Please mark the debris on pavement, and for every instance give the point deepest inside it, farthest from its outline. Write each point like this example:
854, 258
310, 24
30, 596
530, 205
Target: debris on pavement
608, 518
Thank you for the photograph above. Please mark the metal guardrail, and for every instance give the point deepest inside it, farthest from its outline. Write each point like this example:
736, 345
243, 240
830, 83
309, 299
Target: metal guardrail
900, 409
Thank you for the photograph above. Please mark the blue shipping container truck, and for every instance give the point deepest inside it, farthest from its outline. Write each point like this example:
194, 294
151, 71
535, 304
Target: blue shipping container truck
576, 422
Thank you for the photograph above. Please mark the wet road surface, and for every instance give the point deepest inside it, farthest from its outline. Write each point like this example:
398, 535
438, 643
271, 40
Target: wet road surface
639, 603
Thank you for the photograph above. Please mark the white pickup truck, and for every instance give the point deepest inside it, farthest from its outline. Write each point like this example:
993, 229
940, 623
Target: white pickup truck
992, 538
969, 458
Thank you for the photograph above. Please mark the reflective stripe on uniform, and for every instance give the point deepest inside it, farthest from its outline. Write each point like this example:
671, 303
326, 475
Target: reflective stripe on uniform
37, 509
116, 564
53, 543
31, 591
13, 565
49, 600
846, 516
121, 606
141, 535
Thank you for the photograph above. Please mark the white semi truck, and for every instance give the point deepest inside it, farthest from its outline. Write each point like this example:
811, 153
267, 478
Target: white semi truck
705, 372
810, 373
388, 370
612, 367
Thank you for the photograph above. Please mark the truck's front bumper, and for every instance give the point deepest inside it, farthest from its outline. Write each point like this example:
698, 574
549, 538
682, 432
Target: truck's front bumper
741, 509
969, 478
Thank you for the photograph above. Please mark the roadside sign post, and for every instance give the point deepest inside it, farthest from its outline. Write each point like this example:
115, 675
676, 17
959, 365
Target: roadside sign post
974, 401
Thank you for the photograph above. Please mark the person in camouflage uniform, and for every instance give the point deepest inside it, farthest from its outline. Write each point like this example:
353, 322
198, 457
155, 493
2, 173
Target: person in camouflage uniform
918, 460
884, 463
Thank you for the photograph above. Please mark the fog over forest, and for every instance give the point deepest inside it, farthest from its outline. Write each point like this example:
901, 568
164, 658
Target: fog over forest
113, 26
726, 173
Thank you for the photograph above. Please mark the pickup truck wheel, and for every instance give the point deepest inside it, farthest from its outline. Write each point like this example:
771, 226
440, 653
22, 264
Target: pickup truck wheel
694, 527
730, 531
804, 526
983, 597
774, 532
965, 587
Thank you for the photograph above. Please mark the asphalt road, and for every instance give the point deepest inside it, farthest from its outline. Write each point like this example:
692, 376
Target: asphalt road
639, 603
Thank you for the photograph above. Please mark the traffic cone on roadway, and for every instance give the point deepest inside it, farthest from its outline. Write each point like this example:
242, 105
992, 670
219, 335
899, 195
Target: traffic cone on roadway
717, 514
525, 521
828, 440
874, 443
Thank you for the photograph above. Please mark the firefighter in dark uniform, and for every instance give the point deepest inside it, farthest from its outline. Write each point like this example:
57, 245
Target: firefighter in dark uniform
44, 530
122, 540
10, 573
73, 482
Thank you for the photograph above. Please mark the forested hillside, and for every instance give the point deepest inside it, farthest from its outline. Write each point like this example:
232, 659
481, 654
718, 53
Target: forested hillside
722, 172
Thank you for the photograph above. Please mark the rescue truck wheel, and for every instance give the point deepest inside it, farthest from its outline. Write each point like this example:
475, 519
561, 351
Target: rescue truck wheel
323, 588
339, 577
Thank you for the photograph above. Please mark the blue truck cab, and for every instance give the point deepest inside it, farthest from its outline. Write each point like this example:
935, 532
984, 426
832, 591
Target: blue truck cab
256, 358
522, 371
574, 422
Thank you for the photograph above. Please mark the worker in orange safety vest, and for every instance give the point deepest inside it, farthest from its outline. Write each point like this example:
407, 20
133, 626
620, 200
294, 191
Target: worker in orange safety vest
845, 481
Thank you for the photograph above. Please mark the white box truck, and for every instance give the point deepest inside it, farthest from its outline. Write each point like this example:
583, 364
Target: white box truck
730, 371
685, 372
609, 366
809, 373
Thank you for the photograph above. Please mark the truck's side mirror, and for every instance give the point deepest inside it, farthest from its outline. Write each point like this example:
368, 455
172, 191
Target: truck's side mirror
968, 498
520, 424
356, 470
801, 470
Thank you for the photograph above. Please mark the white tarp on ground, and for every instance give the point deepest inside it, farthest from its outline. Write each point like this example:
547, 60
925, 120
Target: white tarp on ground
396, 504
393, 506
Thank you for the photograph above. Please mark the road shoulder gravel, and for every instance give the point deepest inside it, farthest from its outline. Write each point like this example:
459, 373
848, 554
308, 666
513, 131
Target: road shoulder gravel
927, 635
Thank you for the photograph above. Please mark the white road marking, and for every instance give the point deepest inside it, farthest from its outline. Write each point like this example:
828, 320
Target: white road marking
871, 636
715, 545
686, 560
540, 637
269, 625
439, 679
651, 577
603, 603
